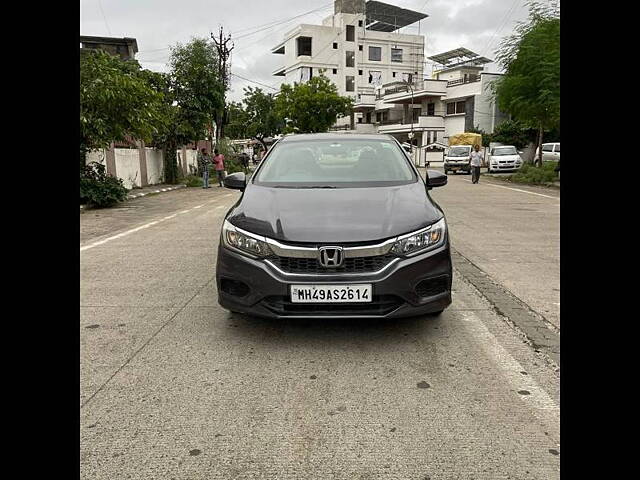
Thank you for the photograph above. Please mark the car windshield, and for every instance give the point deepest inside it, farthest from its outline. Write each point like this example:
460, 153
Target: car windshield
327, 163
505, 151
459, 151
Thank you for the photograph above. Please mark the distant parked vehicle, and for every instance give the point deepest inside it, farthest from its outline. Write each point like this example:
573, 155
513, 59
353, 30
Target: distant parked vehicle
504, 157
458, 158
550, 152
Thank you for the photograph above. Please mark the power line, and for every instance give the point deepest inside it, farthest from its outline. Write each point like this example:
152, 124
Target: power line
505, 19
273, 24
104, 17
253, 81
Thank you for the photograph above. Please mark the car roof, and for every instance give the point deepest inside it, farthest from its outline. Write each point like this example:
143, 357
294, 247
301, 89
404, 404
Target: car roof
301, 137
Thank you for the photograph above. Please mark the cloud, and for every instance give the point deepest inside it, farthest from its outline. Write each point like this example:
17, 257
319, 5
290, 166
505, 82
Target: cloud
157, 24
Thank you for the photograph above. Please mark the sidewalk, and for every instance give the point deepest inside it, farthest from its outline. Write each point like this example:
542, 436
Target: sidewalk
148, 190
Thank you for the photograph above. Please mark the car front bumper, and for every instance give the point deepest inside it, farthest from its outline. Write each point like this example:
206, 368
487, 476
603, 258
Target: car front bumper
394, 288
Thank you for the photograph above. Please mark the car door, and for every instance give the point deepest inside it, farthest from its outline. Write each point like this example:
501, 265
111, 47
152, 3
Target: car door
547, 152
556, 152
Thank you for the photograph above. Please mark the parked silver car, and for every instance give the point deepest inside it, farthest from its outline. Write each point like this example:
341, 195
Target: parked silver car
503, 157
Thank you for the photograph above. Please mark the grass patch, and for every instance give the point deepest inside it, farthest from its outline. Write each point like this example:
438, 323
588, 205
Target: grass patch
531, 174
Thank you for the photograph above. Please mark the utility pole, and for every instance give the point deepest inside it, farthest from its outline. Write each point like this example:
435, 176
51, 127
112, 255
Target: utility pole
224, 54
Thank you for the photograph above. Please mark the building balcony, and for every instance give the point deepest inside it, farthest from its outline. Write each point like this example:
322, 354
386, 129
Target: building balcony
401, 93
365, 102
463, 90
424, 122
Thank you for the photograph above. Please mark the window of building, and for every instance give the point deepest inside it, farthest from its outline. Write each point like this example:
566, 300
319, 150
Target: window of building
351, 33
359, 119
335, 45
416, 113
375, 54
305, 74
375, 78
350, 84
431, 109
393, 74
360, 47
359, 72
335, 70
435, 137
396, 55
351, 59
304, 45
359, 23
456, 107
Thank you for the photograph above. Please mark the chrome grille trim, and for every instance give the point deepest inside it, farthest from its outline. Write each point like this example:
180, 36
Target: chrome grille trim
283, 250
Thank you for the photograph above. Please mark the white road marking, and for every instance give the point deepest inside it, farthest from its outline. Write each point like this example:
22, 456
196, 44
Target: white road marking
516, 190
537, 398
133, 230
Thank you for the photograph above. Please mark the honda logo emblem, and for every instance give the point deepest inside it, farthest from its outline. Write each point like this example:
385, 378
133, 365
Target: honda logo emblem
331, 257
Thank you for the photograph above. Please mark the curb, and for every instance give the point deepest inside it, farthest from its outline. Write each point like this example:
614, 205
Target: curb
138, 195
538, 331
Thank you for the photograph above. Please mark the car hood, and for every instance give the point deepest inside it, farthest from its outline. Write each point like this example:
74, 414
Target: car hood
510, 158
339, 215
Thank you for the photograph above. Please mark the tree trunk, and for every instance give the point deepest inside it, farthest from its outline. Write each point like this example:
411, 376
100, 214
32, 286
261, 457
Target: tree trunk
264, 145
540, 133
170, 165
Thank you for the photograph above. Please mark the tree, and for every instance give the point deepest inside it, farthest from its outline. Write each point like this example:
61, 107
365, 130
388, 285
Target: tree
261, 116
237, 121
530, 88
196, 85
512, 132
116, 102
313, 106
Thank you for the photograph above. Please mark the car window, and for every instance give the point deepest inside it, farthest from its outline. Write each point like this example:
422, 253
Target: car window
335, 163
459, 151
504, 151
557, 148
547, 147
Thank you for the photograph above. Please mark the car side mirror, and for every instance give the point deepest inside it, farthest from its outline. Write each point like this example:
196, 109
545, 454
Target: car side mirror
436, 179
236, 181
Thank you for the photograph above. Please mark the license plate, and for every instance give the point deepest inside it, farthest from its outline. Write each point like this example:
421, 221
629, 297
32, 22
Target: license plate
331, 293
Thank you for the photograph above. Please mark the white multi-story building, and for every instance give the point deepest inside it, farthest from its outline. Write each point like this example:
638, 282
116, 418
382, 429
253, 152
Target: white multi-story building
360, 49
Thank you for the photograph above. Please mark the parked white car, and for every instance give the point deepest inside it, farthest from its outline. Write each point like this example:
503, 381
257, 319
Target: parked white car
503, 157
550, 152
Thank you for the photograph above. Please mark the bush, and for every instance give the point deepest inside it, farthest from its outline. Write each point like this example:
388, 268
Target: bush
97, 189
529, 173
192, 181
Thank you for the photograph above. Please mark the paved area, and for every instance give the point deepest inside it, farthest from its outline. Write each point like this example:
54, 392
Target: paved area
174, 387
511, 232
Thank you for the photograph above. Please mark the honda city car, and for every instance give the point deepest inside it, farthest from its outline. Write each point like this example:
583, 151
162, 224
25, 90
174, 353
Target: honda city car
335, 225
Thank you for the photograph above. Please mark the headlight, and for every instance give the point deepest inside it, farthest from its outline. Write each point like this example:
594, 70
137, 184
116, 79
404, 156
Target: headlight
245, 242
423, 240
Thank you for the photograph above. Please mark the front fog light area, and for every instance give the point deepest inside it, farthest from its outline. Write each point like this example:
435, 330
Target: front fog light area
424, 240
244, 242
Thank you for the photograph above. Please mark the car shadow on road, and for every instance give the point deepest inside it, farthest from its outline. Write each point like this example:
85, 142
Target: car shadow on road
317, 331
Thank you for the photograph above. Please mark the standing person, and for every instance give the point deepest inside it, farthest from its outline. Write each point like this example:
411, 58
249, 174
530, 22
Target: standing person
476, 162
218, 160
244, 158
203, 165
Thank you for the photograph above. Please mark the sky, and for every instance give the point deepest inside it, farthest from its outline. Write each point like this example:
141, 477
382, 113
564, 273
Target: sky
477, 25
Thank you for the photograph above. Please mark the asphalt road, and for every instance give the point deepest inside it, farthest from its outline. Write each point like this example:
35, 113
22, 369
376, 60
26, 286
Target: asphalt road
510, 231
174, 387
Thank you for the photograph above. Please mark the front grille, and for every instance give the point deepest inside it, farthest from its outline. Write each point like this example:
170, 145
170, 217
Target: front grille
379, 305
312, 266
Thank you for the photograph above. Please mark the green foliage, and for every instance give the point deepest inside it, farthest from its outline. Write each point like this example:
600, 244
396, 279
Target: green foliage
97, 189
260, 115
512, 132
237, 121
311, 107
116, 101
530, 88
192, 181
531, 174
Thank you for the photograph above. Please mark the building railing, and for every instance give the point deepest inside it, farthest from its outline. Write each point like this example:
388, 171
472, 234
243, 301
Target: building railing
337, 128
461, 81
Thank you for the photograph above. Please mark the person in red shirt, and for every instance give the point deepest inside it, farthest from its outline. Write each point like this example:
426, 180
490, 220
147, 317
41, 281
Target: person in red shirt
218, 161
